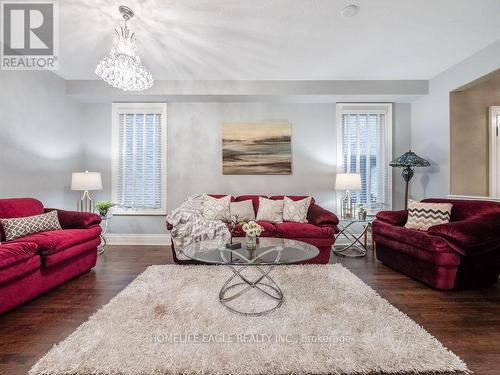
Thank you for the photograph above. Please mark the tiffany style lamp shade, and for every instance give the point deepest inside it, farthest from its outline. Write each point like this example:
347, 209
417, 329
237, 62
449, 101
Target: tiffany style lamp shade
408, 161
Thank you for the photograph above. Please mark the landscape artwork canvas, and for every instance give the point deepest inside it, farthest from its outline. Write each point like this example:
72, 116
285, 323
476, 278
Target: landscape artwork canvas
258, 148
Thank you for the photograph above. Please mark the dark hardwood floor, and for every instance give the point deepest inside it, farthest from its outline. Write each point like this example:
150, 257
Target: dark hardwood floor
467, 322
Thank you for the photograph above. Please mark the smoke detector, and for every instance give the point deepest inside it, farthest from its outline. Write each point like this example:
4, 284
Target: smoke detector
349, 11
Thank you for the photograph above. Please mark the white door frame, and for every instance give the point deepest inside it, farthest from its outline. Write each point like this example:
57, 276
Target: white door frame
494, 133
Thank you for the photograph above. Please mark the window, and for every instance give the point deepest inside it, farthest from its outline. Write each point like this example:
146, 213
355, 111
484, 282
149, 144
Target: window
139, 158
364, 146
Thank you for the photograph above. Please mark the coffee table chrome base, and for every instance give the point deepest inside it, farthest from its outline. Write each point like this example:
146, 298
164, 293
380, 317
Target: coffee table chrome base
263, 284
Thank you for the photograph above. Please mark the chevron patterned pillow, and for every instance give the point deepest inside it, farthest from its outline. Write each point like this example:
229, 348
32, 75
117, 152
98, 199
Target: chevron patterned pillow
22, 226
422, 216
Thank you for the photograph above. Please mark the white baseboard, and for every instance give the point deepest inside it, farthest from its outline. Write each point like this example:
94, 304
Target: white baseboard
138, 239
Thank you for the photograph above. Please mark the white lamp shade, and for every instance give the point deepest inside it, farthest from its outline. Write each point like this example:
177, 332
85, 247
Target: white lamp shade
348, 181
86, 181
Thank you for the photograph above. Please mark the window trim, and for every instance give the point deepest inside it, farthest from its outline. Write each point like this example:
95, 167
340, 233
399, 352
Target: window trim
116, 109
378, 108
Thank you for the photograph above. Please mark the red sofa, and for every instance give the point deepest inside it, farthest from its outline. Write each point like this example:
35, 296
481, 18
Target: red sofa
34, 264
319, 231
464, 253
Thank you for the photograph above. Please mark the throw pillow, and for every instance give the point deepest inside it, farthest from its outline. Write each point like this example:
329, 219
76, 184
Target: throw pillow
270, 210
242, 211
422, 216
22, 226
296, 210
216, 208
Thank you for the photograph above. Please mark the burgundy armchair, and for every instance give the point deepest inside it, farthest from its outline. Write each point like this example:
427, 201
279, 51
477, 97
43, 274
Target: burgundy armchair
464, 253
36, 263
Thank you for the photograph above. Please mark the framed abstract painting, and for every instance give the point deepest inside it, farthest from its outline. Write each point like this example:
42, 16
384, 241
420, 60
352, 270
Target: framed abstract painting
257, 148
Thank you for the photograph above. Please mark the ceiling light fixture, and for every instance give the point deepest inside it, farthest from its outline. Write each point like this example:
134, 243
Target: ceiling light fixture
349, 11
123, 68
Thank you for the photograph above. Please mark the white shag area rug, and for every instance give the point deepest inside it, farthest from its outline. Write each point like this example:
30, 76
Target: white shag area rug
169, 321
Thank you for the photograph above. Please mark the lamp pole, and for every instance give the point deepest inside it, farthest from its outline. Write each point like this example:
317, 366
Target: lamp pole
407, 176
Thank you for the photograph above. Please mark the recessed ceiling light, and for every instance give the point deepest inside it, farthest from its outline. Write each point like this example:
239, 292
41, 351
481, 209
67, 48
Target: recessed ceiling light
349, 11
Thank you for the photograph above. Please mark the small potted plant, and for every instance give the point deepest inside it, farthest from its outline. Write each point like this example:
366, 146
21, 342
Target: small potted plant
252, 231
361, 212
232, 225
103, 207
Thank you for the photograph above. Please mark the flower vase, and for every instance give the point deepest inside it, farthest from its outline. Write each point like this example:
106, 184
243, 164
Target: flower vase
250, 242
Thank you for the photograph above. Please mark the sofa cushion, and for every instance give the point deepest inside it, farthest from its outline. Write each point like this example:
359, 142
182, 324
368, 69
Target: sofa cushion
440, 258
292, 197
76, 219
23, 226
18, 207
303, 230
17, 259
242, 211
473, 236
270, 210
216, 208
412, 237
13, 253
24, 268
53, 259
422, 215
296, 211
269, 229
55, 241
253, 198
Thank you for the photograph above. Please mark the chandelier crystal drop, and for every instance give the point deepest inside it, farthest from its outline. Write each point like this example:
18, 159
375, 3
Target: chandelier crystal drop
123, 68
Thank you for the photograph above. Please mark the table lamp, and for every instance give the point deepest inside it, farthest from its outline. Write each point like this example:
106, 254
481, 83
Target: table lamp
408, 161
348, 182
86, 181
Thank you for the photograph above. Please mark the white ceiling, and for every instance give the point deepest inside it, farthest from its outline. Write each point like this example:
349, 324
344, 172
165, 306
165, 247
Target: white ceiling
281, 39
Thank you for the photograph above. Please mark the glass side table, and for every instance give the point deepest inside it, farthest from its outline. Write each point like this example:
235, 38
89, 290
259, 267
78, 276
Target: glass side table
355, 247
105, 225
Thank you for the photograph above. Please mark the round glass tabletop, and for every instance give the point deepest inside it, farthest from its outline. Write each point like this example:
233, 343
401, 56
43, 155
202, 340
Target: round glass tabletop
268, 251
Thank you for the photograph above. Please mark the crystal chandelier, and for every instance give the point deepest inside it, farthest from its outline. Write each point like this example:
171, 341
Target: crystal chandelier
123, 68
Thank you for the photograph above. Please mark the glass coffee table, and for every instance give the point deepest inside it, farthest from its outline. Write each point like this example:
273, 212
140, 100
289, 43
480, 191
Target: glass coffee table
269, 253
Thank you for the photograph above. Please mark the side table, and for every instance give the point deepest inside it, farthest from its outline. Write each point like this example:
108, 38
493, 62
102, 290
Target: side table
105, 225
358, 248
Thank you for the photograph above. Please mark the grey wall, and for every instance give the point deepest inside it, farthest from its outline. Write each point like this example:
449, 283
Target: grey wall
46, 134
195, 161
431, 121
401, 142
40, 142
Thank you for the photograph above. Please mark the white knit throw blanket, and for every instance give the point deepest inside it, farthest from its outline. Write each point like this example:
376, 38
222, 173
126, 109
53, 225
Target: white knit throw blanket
190, 226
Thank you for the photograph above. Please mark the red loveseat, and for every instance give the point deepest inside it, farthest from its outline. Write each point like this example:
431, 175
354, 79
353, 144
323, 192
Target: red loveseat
319, 231
34, 264
464, 253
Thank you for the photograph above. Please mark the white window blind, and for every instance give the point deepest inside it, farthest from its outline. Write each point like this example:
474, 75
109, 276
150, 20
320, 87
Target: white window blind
365, 148
139, 162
